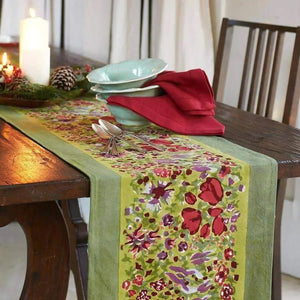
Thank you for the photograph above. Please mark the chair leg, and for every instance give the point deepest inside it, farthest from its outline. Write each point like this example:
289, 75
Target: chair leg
78, 241
276, 277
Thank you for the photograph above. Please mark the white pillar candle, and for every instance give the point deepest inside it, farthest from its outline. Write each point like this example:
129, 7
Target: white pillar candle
34, 49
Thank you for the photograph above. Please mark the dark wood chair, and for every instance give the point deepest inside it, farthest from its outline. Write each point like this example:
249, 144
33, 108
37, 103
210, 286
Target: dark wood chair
78, 243
258, 85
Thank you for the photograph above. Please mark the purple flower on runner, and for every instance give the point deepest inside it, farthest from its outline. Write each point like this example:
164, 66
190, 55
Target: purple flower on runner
128, 211
169, 243
180, 275
205, 286
200, 258
242, 188
160, 193
199, 167
202, 170
230, 181
235, 217
182, 246
230, 207
232, 228
140, 239
162, 255
185, 183
168, 219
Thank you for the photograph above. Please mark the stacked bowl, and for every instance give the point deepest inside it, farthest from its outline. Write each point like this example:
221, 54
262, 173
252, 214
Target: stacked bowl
126, 79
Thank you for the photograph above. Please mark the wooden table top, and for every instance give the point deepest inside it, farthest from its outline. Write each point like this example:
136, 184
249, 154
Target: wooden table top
28, 170
277, 140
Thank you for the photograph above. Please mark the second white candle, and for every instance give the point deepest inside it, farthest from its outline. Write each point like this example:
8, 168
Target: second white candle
34, 49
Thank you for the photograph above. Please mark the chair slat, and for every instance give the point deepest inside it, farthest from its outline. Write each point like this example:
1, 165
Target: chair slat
222, 59
267, 26
62, 25
293, 90
141, 28
274, 74
265, 78
251, 105
246, 69
149, 27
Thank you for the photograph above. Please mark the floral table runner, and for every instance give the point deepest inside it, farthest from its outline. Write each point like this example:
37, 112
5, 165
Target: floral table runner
194, 222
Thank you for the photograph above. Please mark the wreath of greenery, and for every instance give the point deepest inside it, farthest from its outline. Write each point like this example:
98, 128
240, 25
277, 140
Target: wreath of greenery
33, 91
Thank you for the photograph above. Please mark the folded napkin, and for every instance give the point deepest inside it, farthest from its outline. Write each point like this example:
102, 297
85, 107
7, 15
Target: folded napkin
186, 108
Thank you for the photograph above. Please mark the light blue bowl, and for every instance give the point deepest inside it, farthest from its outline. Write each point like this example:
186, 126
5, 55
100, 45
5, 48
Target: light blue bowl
149, 91
125, 116
127, 74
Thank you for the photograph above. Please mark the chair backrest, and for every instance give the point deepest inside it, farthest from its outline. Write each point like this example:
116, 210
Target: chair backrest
261, 67
62, 25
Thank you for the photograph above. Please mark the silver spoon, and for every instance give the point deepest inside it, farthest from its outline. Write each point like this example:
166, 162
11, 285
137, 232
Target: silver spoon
118, 132
103, 124
98, 129
111, 146
114, 149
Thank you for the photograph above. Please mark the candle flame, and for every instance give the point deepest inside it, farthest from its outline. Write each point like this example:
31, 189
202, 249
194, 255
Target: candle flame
4, 59
32, 12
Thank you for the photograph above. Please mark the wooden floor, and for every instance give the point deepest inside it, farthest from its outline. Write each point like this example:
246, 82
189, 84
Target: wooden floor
13, 264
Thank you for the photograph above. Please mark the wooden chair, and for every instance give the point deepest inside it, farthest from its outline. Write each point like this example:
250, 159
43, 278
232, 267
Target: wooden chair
78, 243
258, 86
77, 228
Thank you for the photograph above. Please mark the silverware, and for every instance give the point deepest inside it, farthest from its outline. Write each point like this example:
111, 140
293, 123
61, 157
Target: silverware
114, 149
108, 130
111, 145
118, 132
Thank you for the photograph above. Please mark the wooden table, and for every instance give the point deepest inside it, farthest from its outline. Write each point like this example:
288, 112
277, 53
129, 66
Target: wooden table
33, 179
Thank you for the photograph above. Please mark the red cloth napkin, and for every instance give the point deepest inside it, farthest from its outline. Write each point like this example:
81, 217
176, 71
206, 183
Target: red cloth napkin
186, 108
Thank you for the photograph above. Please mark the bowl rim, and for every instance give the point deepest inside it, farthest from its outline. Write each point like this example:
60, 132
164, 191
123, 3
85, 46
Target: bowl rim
98, 97
131, 90
163, 68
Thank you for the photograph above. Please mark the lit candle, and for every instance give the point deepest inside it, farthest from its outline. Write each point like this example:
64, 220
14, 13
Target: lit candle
6, 67
34, 49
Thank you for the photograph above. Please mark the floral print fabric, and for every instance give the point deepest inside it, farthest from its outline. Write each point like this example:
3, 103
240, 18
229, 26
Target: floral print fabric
184, 215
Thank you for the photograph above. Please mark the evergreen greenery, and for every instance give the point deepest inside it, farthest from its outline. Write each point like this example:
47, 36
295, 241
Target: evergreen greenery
42, 92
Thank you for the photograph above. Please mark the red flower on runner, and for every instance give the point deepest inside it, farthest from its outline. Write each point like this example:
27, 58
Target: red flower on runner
218, 226
143, 295
192, 219
226, 292
138, 280
211, 191
190, 198
223, 171
205, 231
228, 253
126, 284
222, 274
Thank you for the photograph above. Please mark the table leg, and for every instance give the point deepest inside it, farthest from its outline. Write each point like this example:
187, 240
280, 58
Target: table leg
47, 273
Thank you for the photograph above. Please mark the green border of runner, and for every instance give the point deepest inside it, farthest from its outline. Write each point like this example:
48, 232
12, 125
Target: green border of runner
259, 251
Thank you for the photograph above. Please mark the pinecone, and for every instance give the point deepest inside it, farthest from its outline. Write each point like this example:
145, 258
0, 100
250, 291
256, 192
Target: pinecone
17, 84
63, 78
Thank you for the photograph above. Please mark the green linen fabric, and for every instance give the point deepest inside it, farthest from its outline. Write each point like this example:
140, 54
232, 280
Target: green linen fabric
261, 216
106, 197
